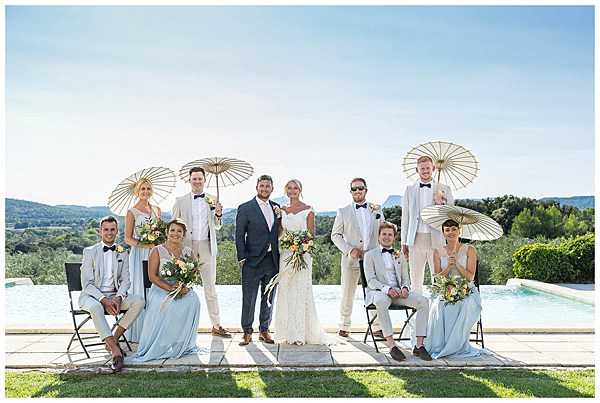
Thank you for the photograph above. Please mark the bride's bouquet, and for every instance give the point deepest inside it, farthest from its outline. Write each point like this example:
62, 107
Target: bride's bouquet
152, 232
451, 289
299, 243
184, 271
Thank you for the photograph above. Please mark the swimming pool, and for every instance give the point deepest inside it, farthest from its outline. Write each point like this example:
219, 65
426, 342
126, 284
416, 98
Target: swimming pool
47, 306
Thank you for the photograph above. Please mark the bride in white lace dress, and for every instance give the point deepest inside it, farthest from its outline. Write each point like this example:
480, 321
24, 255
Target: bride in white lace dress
296, 320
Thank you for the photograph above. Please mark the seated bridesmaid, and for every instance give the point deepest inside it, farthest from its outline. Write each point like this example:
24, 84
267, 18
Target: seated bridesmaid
450, 324
170, 331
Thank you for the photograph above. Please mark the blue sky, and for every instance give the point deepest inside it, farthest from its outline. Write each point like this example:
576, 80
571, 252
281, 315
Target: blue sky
322, 94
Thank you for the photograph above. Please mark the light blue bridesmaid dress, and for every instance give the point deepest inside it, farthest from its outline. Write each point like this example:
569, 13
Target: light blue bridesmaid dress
169, 332
449, 326
136, 256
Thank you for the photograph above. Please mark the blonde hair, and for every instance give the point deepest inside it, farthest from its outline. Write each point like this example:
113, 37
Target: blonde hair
297, 182
139, 184
388, 225
424, 158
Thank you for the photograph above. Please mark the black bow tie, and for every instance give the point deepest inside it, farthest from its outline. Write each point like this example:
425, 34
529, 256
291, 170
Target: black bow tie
422, 185
196, 196
361, 205
390, 251
107, 248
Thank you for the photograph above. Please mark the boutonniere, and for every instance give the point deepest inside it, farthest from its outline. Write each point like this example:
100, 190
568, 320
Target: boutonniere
439, 197
375, 208
212, 203
397, 254
119, 249
277, 211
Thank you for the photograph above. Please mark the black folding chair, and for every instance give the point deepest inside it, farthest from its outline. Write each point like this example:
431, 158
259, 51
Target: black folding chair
147, 282
73, 272
372, 307
478, 332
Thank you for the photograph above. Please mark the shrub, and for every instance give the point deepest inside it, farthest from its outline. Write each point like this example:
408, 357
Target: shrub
580, 251
543, 262
495, 258
46, 266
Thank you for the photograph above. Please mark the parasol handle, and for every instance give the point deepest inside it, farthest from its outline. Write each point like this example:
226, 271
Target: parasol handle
217, 176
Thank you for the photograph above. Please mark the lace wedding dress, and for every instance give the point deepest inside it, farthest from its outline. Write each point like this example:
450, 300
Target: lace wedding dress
296, 320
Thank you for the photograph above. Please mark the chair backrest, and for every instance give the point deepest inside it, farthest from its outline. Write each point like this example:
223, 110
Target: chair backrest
147, 282
476, 276
73, 272
363, 279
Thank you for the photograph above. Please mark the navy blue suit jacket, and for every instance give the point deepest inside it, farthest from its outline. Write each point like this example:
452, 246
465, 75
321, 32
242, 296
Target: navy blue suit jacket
253, 236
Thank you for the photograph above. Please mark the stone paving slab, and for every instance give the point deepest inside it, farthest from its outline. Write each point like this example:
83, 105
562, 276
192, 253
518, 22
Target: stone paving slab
47, 351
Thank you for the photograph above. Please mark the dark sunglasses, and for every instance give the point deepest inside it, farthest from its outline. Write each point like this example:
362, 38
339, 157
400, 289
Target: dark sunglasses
355, 188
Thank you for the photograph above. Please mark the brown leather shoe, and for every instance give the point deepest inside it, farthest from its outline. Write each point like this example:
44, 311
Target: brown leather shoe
397, 354
422, 353
344, 333
117, 363
266, 337
221, 332
246, 340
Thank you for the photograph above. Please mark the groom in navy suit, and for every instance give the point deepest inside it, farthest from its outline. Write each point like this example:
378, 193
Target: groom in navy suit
256, 241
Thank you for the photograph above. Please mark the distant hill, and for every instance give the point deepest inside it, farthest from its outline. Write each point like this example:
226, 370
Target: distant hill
581, 202
24, 213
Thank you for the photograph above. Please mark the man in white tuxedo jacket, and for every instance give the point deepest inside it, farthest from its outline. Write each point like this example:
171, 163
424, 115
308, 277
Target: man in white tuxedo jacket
354, 232
202, 214
419, 239
104, 283
388, 283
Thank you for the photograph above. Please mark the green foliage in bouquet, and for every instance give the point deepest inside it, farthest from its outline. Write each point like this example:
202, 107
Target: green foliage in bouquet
451, 289
153, 232
299, 243
184, 271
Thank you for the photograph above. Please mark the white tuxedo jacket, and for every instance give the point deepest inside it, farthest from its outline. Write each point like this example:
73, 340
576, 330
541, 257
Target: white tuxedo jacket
411, 213
346, 234
91, 272
374, 267
183, 210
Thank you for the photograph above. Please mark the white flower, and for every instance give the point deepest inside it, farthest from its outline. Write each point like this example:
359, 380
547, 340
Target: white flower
168, 272
277, 211
120, 249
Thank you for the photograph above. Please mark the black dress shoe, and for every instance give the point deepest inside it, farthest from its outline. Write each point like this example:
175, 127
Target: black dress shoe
397, 354
421, 353
343, 333
378, 333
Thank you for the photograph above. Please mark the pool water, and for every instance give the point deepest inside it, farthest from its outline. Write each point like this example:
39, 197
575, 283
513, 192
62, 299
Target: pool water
47, 306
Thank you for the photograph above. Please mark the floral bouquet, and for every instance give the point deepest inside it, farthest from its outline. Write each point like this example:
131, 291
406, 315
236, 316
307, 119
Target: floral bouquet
152, 232
299, 243
439, 198
185, 271
451, 289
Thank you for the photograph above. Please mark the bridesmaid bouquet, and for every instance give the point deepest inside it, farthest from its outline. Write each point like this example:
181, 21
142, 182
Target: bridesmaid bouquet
451, 289
299, 243
185, 271
153, 232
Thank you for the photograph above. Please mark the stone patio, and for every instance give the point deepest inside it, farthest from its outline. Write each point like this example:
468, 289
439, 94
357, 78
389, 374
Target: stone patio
48, 352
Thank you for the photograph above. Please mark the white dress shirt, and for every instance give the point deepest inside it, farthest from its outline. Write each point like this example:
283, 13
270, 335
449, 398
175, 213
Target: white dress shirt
426, 200
390, 271
267, 211
107, 283
363, 217
200, 212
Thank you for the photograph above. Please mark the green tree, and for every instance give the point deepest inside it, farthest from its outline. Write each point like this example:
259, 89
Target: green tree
526, 224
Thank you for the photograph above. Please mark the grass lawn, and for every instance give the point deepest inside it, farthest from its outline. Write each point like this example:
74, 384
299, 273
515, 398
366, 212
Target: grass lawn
337, 383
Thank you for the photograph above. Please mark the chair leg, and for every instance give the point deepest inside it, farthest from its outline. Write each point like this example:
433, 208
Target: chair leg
372, 333
481, 327
123, 336
406, 322
78, 335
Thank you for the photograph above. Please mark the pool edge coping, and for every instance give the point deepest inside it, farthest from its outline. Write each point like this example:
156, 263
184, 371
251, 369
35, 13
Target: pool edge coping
553, 289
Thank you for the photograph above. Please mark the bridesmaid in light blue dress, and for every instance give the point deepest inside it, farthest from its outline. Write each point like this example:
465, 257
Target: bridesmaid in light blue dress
170, 331
139, 214
450, 325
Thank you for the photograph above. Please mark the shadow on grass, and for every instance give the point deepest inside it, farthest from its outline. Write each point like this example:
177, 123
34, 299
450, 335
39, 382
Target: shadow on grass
150, 384
496, 383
